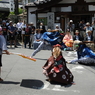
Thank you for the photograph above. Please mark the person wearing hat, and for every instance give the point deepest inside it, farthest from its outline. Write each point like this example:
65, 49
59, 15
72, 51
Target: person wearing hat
57, 28
3, 47
89, 40
42, 27
87, 28
76, 38
71, 27
89, 36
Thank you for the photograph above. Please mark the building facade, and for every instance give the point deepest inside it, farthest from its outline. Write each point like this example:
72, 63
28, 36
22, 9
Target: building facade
52, 12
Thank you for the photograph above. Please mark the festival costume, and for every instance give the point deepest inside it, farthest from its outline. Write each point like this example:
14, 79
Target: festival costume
48, 40
85, 55
68, 40
56, 70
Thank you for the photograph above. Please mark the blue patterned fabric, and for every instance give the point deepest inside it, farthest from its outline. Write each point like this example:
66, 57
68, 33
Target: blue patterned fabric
86, 52
53, 38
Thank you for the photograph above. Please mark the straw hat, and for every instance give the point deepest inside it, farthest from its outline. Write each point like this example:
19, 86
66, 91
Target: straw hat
76, 31
87, 23
89, 31
49, 30
71, 20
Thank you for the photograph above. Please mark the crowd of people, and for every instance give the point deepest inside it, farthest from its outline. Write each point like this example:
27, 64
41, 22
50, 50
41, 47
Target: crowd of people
31, 35
56, 40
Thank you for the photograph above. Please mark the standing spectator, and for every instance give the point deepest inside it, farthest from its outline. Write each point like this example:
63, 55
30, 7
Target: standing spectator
71, 27
58, 28
27, 36
23, 35
23, 24
3, 47
42, 27
19, 26
77, 36
4, 29
11, 30
16, 34
81, 28
32, 30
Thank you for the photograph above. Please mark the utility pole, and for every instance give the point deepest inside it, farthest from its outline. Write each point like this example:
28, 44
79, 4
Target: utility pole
16, 10
16, 7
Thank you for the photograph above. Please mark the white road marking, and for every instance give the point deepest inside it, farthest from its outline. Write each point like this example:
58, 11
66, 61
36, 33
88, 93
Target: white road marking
78, 67
46, 84
57, 88
71, 53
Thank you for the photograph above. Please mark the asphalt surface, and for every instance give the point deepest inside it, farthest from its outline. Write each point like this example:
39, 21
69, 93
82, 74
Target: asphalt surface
24, 77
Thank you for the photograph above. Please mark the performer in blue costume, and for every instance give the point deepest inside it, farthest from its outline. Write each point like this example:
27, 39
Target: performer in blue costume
85, 55
48, 40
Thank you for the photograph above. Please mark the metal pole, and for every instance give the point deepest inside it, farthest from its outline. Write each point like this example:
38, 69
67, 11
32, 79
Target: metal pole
16, 7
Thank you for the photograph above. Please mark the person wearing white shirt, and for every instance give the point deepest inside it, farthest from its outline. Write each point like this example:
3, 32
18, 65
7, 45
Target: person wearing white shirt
19, 26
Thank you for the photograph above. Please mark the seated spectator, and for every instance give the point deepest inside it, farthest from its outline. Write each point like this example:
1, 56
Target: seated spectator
87, 28
76, 38
89, 36
37, 38
89, 40
68, 40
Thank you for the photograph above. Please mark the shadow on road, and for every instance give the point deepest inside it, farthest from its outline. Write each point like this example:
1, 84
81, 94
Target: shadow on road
32, 83
40, 59
9, 82
57, 83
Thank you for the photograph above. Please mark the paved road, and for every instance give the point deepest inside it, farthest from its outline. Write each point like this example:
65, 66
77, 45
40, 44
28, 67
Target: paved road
24, 77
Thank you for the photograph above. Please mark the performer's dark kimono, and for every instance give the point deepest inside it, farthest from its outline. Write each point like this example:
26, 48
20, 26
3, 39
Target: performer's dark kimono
56, 70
